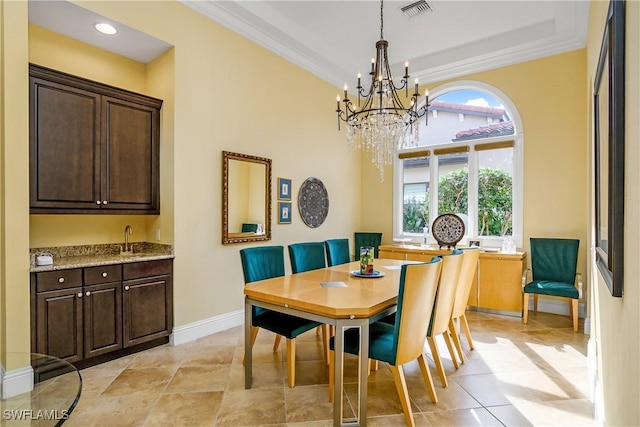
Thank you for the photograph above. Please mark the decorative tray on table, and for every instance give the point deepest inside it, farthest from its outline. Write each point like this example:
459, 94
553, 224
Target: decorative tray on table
373, 275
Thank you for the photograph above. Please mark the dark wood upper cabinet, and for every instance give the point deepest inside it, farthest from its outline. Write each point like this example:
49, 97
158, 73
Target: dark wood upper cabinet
94, 148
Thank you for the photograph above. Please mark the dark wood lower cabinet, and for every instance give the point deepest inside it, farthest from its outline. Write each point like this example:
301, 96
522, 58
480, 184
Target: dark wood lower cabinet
146, 309
59, 324
106, 315
102, 318
147, 300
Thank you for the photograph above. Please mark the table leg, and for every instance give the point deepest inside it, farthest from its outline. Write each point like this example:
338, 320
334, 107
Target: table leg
364, 372
247, 345
338, 363
361, 415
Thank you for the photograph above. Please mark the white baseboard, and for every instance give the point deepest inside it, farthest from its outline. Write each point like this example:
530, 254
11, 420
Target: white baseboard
17, 381
596, 389
562, 307
192, 331
556, 306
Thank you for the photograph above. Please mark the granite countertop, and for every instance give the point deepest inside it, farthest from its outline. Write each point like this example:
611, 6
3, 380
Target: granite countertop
65, 257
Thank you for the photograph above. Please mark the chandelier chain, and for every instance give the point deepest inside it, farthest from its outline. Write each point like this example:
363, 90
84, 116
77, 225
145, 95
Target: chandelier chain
381, 19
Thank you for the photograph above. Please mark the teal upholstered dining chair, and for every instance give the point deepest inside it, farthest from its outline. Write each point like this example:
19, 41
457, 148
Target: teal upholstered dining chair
402, 341
337, 251
248, 228
465, 283
307, 256
304, 257
553, 271
442, 309
262, 263
362, 238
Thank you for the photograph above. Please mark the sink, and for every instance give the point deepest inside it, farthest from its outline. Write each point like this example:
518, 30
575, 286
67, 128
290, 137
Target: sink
131, 254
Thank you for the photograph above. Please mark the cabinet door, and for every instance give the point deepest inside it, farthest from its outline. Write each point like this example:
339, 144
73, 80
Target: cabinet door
130, 156
501, 284
102, 318
64, 146
148, 309
421, 257
59, 323
387, 254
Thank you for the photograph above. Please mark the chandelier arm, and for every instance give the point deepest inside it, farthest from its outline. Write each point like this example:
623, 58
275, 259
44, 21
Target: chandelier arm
362, 93
404, 82
404, 85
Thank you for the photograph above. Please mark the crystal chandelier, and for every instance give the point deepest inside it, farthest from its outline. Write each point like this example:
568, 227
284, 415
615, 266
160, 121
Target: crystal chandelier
379, 123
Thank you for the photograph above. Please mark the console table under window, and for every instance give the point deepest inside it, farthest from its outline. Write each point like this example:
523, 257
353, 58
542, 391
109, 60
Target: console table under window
497, 285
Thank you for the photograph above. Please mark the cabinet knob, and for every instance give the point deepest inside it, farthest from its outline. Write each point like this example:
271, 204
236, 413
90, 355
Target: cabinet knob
61, 280
79, 294
104, 202
98, 202
126, 288
88, 293
104, 274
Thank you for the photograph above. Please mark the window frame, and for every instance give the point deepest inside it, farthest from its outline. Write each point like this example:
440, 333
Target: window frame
518, 172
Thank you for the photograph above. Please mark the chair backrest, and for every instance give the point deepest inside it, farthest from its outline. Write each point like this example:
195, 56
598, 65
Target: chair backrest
362, 238
443, 307
465, 281
306, 256
554, 259
416, 295
247, 228
262, 263
337, 251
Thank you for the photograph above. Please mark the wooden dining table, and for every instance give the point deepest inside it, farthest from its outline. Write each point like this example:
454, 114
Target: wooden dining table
334, 296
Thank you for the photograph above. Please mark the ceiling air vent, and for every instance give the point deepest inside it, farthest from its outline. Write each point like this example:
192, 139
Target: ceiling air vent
416, 8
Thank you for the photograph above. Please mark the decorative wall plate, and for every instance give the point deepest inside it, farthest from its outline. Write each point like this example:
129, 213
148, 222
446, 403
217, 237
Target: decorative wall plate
313, 202
448, 229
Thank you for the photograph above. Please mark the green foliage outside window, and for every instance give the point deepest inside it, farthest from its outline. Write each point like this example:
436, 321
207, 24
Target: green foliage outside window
415, 215
495, 202
453, 192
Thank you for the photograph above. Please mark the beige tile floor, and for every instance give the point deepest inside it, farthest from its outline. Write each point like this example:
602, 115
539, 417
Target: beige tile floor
517, 375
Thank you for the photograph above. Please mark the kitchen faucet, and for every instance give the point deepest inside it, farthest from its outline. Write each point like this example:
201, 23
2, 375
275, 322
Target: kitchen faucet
127, 232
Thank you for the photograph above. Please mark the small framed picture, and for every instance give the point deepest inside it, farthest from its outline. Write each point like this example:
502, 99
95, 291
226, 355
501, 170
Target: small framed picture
284, 189
474, 243
284, 213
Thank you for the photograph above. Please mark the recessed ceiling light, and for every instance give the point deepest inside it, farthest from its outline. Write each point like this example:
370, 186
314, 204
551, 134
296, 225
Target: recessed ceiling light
105, 28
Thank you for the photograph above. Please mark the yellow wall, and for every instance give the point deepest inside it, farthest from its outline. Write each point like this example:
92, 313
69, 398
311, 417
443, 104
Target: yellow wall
62, 53
160, 80
14, 180
616, 336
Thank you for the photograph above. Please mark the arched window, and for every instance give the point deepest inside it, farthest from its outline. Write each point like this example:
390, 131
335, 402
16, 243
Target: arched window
468, 161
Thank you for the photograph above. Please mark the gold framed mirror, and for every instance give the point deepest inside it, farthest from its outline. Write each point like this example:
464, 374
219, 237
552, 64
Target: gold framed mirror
246, 198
